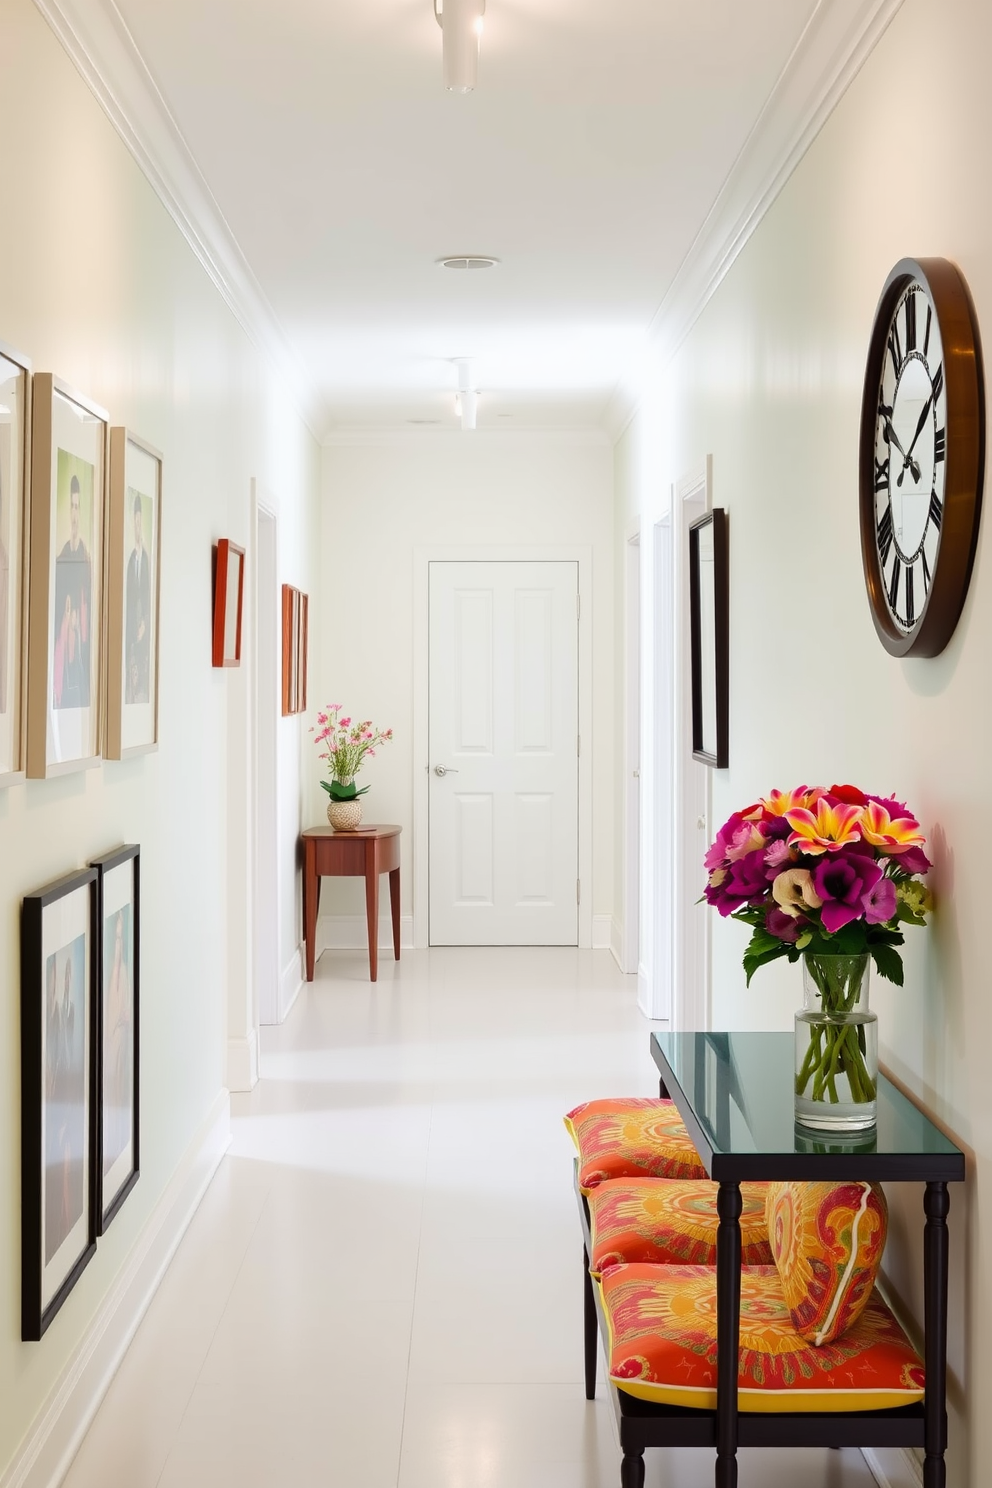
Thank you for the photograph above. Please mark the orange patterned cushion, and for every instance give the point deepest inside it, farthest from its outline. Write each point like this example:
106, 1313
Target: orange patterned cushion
662, 1324
638, 1137
827, 1240
670, 1222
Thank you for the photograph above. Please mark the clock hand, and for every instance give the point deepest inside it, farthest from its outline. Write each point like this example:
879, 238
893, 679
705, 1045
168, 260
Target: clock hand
919, 430
891, 437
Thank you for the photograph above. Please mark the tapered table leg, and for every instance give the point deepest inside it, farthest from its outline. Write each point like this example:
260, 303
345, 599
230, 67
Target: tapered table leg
591, 1329
632, 1468
372, 906
310, 882
728, 1329
936, 1203
394, 903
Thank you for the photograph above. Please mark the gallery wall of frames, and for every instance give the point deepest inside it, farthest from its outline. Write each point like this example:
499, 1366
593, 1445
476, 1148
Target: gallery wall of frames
80, 577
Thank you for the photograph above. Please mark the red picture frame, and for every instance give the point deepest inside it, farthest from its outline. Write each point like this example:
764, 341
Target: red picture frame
229, 594
295, 619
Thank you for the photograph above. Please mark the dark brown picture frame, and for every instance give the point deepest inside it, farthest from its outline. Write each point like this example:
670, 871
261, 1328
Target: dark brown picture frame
295, 625
228, 575
710, 641
47, 1026
108, 1204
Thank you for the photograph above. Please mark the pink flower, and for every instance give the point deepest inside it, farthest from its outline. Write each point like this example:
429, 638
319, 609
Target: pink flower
880, 902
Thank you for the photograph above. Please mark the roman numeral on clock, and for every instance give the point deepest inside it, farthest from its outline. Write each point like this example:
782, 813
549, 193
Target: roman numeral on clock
936, 510
938, 382
882, 475
910, 605
884, 533
910, 323
926, 338
894, 586
939, 446
926, 573
895, 347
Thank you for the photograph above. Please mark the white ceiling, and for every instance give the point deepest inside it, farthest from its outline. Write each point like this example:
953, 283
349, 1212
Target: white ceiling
598, 140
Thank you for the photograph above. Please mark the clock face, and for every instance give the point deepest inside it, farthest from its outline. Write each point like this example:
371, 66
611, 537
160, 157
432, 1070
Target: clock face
910, 450
922, 456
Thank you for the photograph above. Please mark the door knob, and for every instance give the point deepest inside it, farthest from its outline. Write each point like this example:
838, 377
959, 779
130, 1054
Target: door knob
444, 770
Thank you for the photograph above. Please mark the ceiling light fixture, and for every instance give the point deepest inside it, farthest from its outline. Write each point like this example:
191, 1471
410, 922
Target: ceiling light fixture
467, 261
461, 29
467, 399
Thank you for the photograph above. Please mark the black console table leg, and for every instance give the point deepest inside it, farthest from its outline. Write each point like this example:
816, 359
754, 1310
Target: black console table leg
936, 1203
728, 1331
591, 1330
632, 1468
663, 1090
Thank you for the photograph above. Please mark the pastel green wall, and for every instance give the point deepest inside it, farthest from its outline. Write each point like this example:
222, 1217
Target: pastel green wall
769, 383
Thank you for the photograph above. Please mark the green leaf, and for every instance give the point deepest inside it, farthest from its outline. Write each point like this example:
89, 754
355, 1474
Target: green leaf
888, 963
752, 960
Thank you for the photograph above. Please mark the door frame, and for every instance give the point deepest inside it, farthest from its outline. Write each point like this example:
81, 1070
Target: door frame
630, 955
265, 761
422, 559
692, 498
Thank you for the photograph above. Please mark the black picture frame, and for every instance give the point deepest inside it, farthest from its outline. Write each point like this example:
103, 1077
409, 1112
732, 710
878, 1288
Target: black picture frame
709, 628
118, 1022
58, 1094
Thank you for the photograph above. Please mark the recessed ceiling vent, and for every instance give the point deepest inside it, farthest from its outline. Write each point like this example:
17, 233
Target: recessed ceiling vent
468, 261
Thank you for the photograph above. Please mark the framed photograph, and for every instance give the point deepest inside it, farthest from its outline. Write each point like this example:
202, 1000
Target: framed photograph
134, 535
229, 593
65, 614
14, 413
58, 1094
709, 624
117, 1022
295, 607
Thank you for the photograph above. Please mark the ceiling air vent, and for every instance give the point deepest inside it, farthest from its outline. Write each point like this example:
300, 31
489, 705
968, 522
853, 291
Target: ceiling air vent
468, 261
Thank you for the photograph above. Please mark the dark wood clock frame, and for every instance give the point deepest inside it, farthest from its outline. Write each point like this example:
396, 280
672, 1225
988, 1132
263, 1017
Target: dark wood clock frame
965, 456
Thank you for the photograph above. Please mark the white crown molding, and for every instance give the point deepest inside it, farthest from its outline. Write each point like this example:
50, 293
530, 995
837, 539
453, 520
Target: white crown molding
96, 37
836, 41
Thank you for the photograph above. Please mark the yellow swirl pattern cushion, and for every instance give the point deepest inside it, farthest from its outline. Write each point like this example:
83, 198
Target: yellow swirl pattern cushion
662, 1329
636, 1137
670, 1222
827, 1240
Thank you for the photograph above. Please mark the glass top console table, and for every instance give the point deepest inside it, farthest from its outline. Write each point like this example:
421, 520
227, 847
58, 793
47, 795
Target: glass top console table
734, 1092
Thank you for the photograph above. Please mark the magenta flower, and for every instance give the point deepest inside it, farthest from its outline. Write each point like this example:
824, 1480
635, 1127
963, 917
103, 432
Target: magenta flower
783, 926
735, 838
880, 902
841, 882
913, 860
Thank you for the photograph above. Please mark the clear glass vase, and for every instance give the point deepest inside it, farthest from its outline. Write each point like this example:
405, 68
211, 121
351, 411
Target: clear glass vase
836, 1045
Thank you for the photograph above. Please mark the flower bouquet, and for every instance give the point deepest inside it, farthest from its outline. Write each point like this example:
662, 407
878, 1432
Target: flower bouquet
346, 745
830, 876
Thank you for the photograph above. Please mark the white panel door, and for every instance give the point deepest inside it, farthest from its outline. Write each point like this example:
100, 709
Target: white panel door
504, 753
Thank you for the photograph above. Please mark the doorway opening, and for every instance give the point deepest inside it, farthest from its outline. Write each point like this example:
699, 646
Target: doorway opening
266, 711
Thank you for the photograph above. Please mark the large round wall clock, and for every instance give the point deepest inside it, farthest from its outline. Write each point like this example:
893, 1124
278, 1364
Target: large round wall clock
922, 456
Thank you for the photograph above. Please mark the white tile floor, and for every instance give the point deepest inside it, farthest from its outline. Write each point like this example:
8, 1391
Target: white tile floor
381, 1288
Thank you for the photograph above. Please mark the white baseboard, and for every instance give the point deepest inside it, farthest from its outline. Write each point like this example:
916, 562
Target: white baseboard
616, 943
893, 1467
291, 983
53, 1439
601, 925
350, 933
242, 1062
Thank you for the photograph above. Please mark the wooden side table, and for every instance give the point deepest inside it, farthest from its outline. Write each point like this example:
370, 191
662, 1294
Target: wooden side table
362, 854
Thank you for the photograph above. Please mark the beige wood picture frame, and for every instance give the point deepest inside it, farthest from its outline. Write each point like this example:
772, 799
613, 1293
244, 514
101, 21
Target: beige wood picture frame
15, 466
65, 642
133, 589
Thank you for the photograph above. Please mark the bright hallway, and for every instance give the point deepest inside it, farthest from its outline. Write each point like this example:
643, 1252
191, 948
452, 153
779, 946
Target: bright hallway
381, 1288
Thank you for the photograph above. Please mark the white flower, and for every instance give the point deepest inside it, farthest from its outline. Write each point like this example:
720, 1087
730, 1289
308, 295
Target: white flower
793, 891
